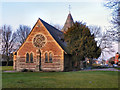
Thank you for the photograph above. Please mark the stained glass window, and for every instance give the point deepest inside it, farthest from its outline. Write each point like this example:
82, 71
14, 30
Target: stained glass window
27, 58
31, 58
50, 57
46, 57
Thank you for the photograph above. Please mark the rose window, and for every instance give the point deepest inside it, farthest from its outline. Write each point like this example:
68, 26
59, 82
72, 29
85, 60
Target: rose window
39, 41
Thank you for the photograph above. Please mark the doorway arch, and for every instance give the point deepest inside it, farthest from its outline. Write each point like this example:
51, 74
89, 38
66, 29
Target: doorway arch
39, 58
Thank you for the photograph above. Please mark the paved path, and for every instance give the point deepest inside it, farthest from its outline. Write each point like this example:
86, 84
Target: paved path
105, 69
9, 71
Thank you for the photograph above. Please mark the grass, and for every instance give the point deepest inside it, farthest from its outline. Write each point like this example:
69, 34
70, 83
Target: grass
79, 79
7, 68
118, 68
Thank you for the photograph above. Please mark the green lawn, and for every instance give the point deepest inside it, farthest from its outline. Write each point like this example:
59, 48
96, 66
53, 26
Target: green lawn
118, 68
7, 68
78, 79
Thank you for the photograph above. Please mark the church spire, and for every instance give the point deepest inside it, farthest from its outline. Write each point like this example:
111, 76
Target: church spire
69, 22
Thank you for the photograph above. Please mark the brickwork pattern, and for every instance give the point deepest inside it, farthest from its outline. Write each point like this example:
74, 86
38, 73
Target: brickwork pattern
50, 46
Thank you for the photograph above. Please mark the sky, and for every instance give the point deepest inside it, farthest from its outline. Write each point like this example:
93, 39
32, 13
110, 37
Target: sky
90, 11
27, 12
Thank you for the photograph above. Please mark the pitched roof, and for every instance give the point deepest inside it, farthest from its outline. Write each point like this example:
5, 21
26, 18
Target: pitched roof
69, 22
56, 34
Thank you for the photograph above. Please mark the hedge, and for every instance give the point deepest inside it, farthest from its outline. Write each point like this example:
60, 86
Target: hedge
9, 64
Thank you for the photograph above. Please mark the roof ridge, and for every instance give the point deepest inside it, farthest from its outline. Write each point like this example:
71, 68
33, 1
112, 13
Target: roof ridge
51, 26
55, 34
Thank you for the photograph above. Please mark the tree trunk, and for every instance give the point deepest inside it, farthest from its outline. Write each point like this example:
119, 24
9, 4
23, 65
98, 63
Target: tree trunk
7, 61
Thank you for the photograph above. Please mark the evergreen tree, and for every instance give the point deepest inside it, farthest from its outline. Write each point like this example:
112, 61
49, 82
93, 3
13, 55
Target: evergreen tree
81, 43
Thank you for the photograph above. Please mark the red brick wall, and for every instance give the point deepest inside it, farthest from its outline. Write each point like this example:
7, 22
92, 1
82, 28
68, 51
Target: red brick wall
50, 46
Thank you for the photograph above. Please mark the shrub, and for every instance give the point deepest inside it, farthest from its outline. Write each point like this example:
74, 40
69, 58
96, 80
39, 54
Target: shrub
24, 70
30, 70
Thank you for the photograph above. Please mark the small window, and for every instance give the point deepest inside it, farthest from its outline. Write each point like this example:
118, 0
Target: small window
46, 57
31, 58
27, 58
50, 57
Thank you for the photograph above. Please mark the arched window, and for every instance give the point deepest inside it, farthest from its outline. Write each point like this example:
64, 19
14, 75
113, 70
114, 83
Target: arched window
50, 57
46, 57
31, 58
27, 58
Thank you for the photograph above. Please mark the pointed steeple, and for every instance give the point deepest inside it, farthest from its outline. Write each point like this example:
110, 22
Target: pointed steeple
69, 22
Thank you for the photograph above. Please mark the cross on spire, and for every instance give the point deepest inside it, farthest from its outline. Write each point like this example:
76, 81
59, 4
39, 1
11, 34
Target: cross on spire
69, 8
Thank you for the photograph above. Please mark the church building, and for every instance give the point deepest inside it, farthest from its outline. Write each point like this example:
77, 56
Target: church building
44, 49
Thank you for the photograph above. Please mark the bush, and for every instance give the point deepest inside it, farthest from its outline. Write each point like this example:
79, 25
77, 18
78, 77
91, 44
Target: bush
30, 70
26, 70
9, 64
98, 66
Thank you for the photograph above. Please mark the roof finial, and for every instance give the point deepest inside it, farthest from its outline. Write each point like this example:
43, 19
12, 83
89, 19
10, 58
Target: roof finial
69, 8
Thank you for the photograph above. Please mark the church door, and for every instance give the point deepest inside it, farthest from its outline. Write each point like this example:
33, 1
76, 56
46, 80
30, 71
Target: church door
39, 59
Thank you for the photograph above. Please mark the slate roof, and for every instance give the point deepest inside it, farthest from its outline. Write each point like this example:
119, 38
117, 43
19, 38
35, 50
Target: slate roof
69, 22
56, 34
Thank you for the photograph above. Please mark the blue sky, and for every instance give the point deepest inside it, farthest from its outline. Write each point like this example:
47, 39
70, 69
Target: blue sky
26, 12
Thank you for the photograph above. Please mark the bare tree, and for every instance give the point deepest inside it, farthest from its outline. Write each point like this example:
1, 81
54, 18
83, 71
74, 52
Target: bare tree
58, 26
8, 41
96, 30
114, 5
106, 43
22, 33
0, 41
104, 39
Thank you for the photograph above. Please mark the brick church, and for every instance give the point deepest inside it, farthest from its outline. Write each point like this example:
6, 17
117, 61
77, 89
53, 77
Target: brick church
44, 49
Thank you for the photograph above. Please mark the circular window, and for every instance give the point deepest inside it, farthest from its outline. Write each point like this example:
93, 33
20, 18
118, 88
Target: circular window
39, 40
